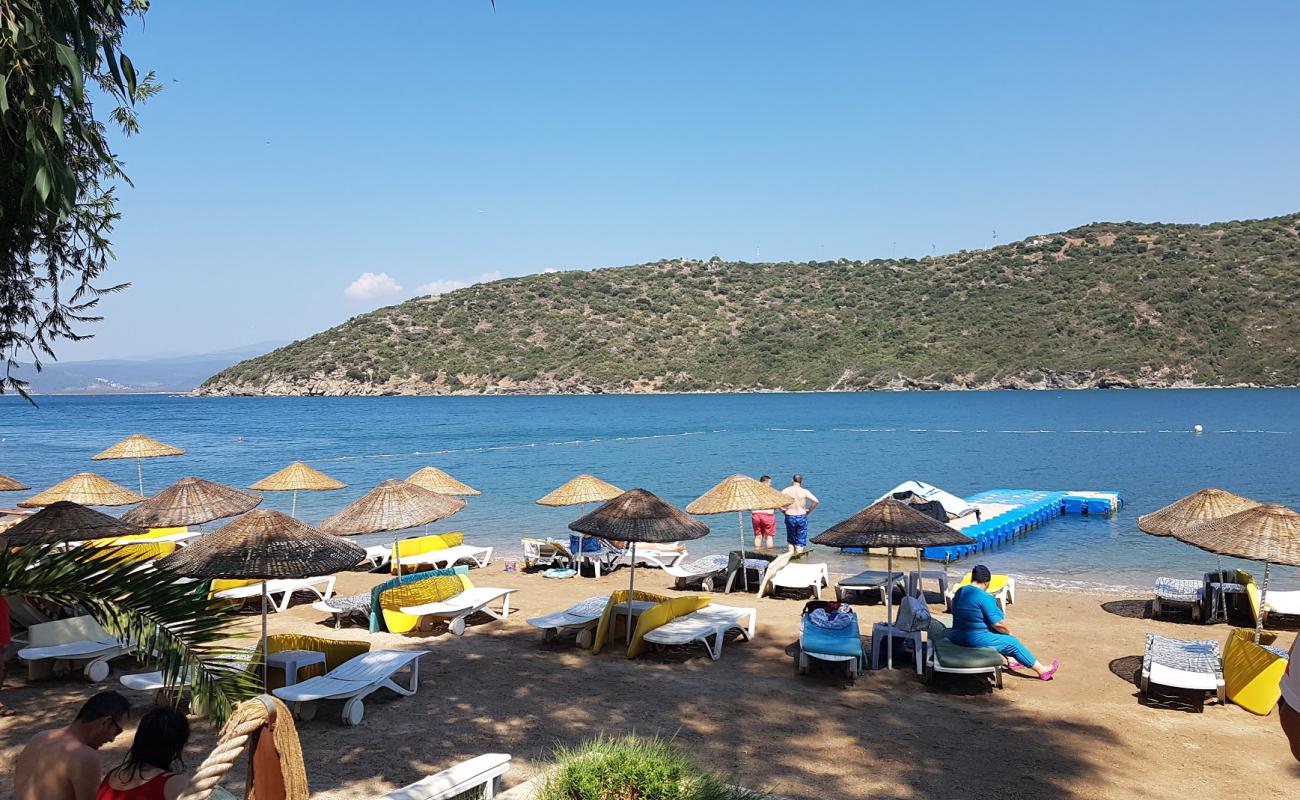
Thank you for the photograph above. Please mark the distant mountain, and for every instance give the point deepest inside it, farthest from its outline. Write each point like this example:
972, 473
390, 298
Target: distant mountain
111, 376
1107, 304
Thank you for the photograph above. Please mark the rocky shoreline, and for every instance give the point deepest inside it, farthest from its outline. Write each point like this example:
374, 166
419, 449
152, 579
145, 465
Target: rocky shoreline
321, 385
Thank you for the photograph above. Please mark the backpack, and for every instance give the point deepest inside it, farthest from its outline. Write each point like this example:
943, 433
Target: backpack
913, 615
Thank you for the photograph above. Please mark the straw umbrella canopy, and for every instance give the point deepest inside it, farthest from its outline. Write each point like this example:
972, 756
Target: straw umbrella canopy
191, 501
739, 493
435, 480
139, 447
65, 521
639, 516
579, 491
295, 478
1268, 533
392, 506
84, 488
1199, 506
889, 523
262, 545
8, 484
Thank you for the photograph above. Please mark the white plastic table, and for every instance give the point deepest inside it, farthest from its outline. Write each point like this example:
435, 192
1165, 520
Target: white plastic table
880, 635
915, 577
293, 660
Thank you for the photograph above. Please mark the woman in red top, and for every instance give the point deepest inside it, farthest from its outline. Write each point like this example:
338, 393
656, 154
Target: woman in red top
147, 771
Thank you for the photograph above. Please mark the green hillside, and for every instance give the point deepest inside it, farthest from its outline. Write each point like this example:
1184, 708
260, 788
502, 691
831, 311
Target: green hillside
1105, 304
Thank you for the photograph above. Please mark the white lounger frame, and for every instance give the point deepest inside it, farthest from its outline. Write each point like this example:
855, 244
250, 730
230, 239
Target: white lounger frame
448, 556
483, 773
713, 620
1177, 676
73, 640
802, 576
353, 681
463, 605
285, 587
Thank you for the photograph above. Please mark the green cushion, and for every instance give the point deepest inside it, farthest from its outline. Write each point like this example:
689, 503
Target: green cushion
954, 656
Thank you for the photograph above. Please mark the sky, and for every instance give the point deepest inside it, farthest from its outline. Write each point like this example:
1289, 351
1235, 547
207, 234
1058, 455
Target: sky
310, 160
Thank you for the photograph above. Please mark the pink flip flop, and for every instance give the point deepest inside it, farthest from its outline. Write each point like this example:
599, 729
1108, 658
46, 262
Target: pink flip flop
1047, 676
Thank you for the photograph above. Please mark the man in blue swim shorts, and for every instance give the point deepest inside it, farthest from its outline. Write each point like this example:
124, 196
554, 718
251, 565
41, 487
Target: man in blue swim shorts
802, 503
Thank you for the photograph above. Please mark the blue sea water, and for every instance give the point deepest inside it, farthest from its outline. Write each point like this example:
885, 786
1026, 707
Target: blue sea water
851, 448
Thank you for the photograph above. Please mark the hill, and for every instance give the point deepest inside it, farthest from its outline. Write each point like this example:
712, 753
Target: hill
1107, 304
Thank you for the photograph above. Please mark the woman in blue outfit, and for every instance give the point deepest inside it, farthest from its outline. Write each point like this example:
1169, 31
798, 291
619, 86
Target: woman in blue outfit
978, 622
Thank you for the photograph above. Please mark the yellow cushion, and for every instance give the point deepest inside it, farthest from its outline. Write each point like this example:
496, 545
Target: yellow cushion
429, 590
452, 539
221, 585
1252, 674
414, 547
133, 553
661, 614
996, 583
153, 533
336, 652
606, 627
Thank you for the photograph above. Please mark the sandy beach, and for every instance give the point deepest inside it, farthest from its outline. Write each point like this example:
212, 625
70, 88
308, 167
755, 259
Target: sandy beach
499, 688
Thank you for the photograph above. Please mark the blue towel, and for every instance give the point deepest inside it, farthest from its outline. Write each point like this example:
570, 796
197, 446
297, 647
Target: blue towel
841, 642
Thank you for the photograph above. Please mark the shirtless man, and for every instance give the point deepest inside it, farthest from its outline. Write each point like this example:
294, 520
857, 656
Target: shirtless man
63, 764
796, 514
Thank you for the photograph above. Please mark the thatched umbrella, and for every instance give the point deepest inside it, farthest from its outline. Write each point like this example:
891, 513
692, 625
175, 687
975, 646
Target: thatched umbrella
1268, 533
84, 488
1199, 506
8, 484
191, 501
639, 516
579, 491
138, 446
392, 506
65, 521
739, 493
435, 480
295, 478
889, 523
263, 545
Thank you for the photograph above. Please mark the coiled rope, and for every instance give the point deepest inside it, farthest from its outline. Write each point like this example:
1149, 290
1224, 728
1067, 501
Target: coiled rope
248, 718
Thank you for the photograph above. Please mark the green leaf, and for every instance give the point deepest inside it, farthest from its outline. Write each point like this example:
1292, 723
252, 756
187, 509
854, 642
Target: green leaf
128, 70
43, 184
69, 61
4, 92
56, 119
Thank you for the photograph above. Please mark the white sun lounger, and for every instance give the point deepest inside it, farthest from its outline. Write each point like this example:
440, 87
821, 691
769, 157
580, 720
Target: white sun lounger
1184, 664
711, 621
76, 639
322, 587
707, 570
448, 556
651, 557
346, 606
353, 681
1276, 602
545, 552
482, 773
463, 605
1175, 590
802, 576
583, 616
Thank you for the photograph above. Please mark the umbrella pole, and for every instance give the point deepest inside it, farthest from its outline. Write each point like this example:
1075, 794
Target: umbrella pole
264, 653
889, 609
919, 591
139, 474
397, 558
1263, 596
293, 507
631, 590
744, 571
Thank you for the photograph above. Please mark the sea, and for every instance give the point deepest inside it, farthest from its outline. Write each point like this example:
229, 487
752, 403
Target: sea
850, 448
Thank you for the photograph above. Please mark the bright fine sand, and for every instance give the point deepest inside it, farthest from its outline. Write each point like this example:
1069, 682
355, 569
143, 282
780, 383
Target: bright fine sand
500, 689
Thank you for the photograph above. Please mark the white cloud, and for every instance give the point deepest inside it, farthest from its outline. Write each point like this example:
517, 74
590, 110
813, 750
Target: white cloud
371, 286
550, 271
452, 284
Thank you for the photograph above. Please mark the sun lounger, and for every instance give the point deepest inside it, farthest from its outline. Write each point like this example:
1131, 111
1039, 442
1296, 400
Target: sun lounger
462, 605
447, 557
322, 587
871, 580
482, 774
1183, 664
546, 552
839, 645
583, 616
1174, 590
379, 555
76, 639
698, 626
343, 607
647, 556
802, 576
1276, 602
353, 681
1002, 587
707, 571
944, 655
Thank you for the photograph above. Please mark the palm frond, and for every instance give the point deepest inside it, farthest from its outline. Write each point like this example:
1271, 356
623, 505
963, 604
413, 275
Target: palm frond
170, 622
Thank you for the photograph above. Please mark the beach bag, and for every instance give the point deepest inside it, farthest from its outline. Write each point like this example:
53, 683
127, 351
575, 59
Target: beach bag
913, 615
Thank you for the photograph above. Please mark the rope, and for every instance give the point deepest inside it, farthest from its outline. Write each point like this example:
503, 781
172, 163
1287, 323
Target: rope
248, 718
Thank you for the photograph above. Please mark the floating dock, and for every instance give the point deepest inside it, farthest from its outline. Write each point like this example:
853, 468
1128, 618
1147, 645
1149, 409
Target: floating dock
1016, 512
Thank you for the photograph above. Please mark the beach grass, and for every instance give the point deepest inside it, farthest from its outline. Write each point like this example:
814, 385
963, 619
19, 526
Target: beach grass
633, 768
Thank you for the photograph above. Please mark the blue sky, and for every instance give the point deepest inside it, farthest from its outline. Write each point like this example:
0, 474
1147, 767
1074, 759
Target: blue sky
300, 145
